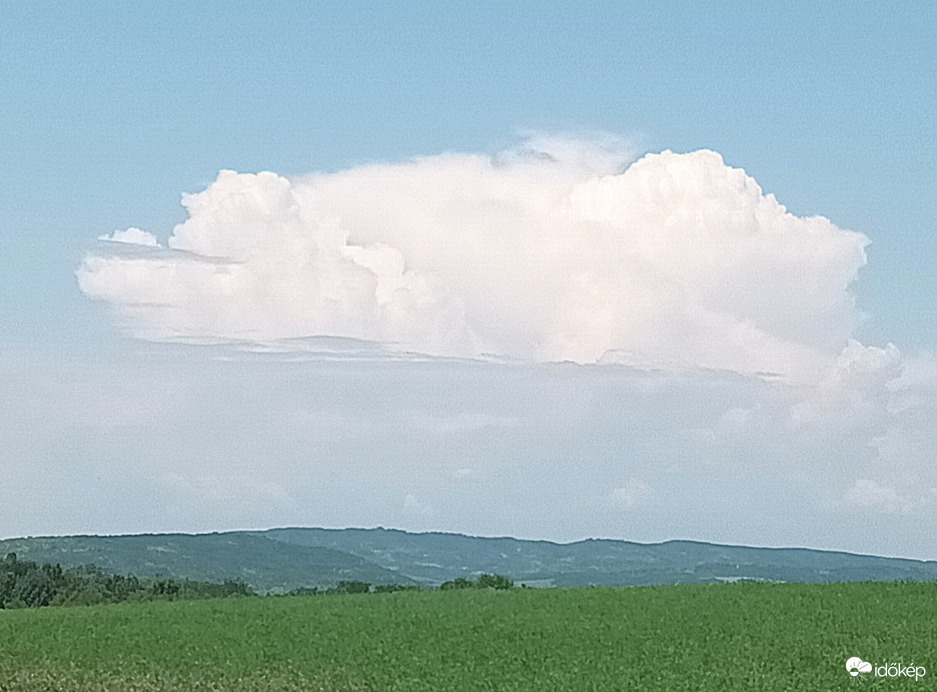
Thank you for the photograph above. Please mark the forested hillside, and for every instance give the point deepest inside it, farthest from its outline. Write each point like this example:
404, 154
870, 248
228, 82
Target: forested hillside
281, 560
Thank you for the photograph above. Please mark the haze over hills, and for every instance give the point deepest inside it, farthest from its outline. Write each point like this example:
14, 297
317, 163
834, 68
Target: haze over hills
262, 563
287, 558
435, 557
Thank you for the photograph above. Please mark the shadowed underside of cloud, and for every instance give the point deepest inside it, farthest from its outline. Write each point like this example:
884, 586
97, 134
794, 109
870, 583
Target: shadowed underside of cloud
557, 250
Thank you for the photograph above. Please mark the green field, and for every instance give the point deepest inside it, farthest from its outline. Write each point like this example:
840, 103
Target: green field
728, 637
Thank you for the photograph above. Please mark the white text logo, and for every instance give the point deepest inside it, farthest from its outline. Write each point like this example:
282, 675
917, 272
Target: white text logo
857, 666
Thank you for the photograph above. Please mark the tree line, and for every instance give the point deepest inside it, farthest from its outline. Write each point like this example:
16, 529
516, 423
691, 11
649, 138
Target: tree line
27, 584
484, 581
351, 586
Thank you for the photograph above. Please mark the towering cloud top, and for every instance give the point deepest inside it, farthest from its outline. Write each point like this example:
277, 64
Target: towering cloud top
556, 250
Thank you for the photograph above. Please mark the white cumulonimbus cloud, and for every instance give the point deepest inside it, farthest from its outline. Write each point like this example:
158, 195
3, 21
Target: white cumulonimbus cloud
557, 250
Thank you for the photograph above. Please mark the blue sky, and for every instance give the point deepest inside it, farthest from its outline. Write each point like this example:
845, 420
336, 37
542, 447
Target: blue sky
111, 111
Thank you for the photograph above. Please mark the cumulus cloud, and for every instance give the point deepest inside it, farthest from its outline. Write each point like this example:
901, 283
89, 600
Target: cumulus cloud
629, 494
132, 236
558, 249
882, 499
875, 408
411, 505
248, 265
856, 386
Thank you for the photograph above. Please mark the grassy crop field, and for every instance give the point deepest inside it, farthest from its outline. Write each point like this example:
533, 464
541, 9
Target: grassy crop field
729, 637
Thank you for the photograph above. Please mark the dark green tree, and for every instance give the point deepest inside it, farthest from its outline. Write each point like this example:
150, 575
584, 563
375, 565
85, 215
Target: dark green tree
351, 587
494, 581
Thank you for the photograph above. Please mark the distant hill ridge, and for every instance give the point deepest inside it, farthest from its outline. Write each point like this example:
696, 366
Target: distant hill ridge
287, 558
262, 563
